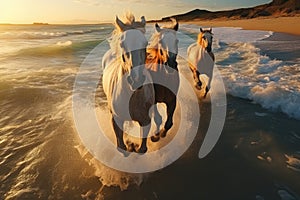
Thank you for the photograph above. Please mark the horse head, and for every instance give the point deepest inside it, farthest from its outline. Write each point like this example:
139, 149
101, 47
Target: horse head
133, 50
168, 43
205, 38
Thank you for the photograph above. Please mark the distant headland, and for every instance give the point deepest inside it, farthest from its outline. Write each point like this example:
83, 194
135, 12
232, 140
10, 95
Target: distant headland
39, 23
277, 8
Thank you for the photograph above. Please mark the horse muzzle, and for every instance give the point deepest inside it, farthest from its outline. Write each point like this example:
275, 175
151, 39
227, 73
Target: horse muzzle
171, 62
208, 49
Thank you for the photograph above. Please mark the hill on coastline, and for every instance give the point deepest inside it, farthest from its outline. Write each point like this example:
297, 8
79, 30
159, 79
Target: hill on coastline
277, 8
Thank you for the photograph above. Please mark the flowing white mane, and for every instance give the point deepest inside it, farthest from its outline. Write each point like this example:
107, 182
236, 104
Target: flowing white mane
170, 25
114, 42
154, 40
114, 39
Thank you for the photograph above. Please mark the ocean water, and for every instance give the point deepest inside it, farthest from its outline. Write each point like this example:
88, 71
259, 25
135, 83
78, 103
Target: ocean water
42, 157
252, 74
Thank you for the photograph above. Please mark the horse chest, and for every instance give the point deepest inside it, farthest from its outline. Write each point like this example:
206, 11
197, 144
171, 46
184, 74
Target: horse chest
201, 60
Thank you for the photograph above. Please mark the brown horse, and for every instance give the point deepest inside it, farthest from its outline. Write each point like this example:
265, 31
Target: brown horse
161, 62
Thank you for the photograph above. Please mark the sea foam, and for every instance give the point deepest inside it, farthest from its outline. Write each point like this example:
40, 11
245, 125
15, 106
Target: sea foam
249, 74
66, 43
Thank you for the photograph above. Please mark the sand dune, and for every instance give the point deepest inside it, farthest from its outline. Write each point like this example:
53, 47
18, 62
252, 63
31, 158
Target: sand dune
278, 16
289, 25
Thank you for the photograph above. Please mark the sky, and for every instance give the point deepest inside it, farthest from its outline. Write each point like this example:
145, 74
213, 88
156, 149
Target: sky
94, 11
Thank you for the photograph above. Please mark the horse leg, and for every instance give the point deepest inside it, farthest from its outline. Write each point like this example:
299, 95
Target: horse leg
207, 88
157, 117
170, 111
158, 122
196, 75
144, 131
145, 128
119, 133
206, 91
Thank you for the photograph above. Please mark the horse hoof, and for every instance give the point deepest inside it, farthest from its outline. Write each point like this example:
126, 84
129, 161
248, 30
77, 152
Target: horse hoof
131, 147
142, 150
122, 147
198, 86
123, 151
163, 133
155, 138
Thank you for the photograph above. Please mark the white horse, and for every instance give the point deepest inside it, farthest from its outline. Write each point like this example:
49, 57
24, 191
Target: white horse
201, 59
161, 62
123, 79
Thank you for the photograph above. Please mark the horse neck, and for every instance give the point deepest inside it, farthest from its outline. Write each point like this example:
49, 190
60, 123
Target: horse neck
153, 51
200, 40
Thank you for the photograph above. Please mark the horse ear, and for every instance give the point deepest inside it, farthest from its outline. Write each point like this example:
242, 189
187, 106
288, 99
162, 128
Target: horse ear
210, 29
201, 30
176, 25
157, 28
143, 20
120, 24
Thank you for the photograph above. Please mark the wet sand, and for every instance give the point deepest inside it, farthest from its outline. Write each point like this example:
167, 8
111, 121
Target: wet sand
247, 162
234, 168
282, 46
289, 25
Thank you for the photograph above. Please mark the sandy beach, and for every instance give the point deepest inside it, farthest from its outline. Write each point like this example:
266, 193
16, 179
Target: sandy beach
42, 157
289, 25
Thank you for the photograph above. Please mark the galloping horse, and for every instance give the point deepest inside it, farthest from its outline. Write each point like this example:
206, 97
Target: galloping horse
123, 79
201, 59
161, 62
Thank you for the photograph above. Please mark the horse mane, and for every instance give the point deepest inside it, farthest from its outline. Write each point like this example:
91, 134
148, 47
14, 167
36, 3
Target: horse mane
199, 40
170, 25
154, 40
200, 36
129, 18
154, 57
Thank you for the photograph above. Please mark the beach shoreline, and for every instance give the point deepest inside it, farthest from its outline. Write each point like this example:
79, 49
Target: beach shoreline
288, 25
278, 47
